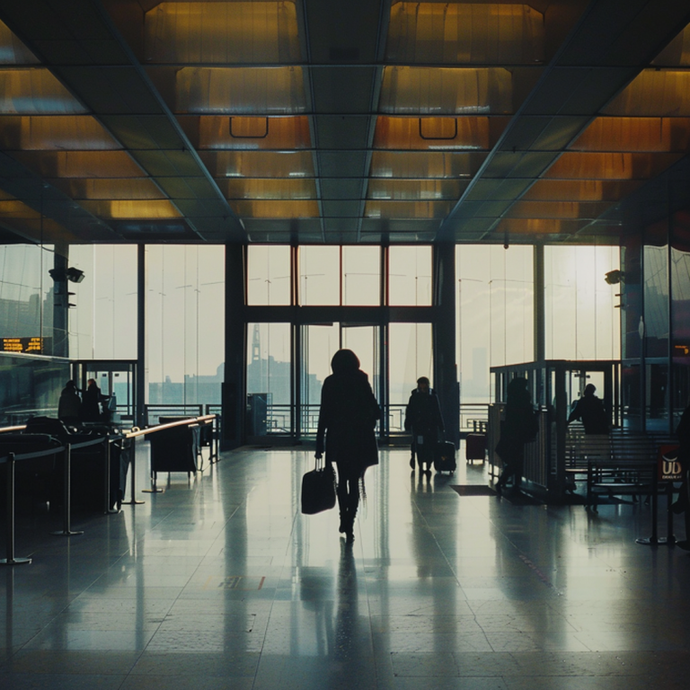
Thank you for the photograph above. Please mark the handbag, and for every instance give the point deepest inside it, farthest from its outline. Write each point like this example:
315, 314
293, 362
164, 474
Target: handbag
318, 489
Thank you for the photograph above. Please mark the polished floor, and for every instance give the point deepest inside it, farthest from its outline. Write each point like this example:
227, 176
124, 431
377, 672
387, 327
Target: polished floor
220, 582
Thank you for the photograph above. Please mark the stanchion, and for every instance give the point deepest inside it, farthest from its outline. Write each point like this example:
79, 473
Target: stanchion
654, 540
66, 530
107, 509
133, 473
9, 546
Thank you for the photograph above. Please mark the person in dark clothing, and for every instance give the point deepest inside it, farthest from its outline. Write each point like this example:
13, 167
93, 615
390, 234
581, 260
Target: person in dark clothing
91, 406
590, 410
423, 418
69, 405
347, 418
520, 427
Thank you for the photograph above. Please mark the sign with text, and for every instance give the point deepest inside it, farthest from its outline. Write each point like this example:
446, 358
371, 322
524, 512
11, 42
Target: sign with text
33, 344
670, 469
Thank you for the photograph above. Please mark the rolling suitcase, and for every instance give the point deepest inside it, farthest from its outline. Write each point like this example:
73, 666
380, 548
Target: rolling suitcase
475, 447
444, 457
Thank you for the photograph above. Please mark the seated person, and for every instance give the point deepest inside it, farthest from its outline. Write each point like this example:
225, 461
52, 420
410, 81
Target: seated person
591, 411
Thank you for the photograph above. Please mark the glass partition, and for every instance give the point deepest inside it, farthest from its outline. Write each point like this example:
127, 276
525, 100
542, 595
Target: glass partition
185, 338
103, 321
27, 297
582, 321
319, 275
30, 386
268, 275
269, 379
409, 276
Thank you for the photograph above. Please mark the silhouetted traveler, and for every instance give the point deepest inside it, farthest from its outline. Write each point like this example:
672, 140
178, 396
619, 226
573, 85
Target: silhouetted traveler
69, 406
91, 406
520, 426
590, 410
347, 419
423, 418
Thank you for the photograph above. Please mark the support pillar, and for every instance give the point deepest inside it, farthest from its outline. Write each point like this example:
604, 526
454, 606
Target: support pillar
140, 373
60, 307
539, 312
443, 329
234, 385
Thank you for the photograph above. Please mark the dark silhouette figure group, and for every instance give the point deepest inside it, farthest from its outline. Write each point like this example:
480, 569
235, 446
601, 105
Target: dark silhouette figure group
73, 410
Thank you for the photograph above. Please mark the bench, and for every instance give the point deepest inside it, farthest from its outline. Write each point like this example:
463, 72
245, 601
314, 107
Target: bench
618, 450
614, 478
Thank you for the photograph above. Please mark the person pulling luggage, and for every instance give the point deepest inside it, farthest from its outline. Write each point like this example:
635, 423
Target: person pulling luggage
424, 420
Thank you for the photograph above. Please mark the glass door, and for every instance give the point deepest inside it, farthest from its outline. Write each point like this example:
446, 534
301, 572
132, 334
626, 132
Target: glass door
319, 342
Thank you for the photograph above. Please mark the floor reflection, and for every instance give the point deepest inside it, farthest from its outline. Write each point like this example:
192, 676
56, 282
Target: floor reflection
222, 582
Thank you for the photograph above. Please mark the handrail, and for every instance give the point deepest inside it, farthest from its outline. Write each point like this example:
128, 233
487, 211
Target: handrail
4, 429
160, 427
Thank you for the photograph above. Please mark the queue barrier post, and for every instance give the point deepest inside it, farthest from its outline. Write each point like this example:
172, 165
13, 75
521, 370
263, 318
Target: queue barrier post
66, 530
9, 545
133, 474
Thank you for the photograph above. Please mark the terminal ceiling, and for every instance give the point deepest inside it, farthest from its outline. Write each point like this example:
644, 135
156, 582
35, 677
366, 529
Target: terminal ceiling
367, 121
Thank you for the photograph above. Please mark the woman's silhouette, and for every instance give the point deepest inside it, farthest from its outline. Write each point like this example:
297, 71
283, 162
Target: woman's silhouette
347, 419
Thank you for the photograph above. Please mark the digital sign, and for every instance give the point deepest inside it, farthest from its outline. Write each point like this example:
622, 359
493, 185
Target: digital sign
35, 344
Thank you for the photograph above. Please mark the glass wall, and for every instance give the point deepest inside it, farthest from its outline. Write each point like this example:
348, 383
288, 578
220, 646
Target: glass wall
581, 313
185, 304
103, 320
268, 275
269, 379
410, 357
30, 386
27, 296
319, 275
495, 314
409, 276
361, 276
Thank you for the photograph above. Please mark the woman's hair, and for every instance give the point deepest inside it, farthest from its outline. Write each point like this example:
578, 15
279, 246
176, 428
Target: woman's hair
518, 390
344, 361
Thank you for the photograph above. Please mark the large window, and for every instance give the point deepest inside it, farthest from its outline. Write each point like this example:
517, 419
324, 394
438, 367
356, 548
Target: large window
269, 378
103, 320
268, 275
582, 318
495, 313
319, 275
27, 294
185, 332
409, 276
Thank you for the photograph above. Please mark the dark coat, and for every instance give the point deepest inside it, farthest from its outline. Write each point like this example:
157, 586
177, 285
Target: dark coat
91, 406
423, 414
347, 419
69, 406
590, 410
521, 426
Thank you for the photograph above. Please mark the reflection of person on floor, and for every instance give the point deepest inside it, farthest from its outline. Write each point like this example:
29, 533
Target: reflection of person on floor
423, 418
591, 411
347, 419
521, 426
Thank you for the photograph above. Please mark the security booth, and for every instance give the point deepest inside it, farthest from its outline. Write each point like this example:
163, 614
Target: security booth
115, 378
554, 386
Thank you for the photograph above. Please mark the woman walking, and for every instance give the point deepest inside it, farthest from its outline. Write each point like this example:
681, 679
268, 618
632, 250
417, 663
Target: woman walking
347, 419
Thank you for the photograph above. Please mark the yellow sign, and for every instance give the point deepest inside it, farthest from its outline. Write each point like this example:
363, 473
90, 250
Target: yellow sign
34, 345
